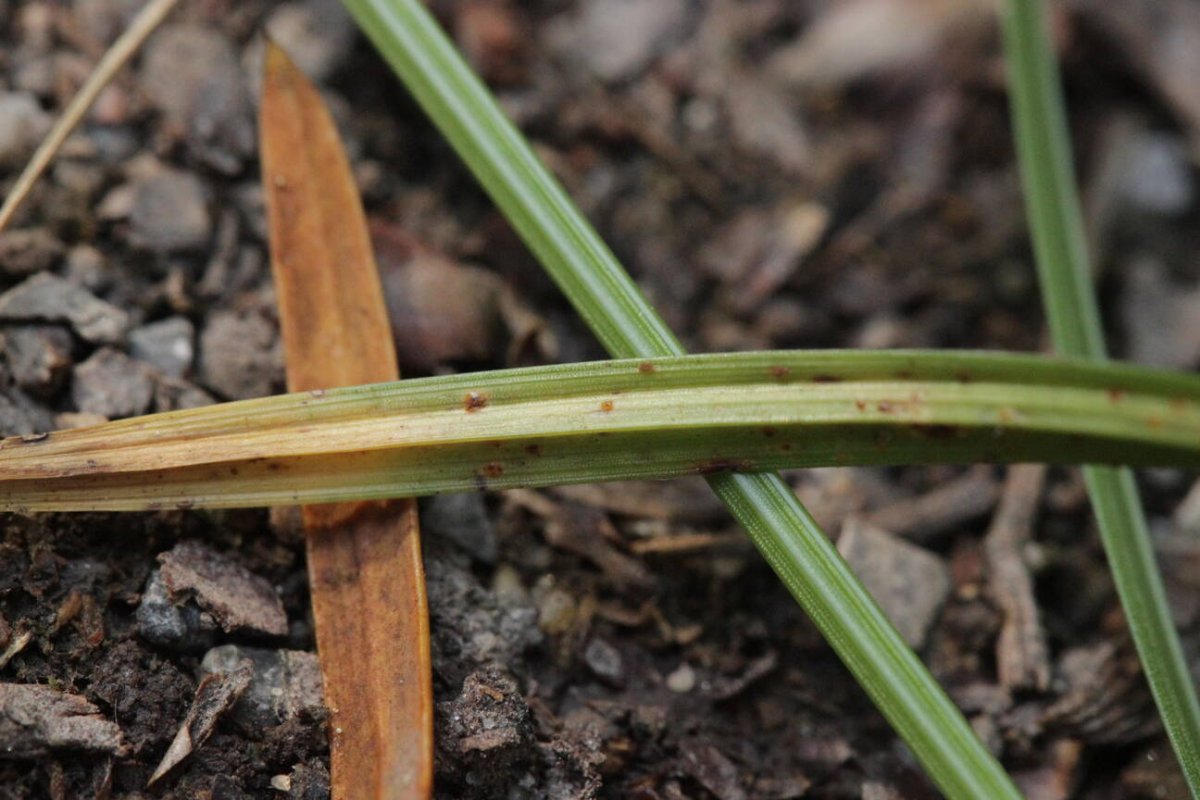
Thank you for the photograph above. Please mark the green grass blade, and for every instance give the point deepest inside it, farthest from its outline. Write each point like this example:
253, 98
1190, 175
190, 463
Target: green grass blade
1055, 219
612, 420
603, 294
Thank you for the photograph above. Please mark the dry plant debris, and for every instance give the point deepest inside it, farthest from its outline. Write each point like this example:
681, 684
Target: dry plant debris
364, 559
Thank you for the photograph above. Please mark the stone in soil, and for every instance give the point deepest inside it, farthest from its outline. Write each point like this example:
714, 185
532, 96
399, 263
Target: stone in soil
170, 212
237, 599
167, 345
22, 126
38, 357
1161, 318
605, 661
167, 624
19, 415
24, 252
286, 684
111, 384
907, 581
36, 720
48, 298
193, 74
462, 519
317, 35
617, 39
240, 355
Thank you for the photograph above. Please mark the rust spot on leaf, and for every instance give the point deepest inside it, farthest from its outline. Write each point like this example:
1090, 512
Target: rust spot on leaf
904, 374
646, 368
493, 469
1116, 395
861, 405
962, 376
1154, 423
606, 406
779, 372
768, 431
473, 401
885, 407
533, 449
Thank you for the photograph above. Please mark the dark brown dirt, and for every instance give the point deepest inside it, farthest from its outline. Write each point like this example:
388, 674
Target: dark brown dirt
769, 186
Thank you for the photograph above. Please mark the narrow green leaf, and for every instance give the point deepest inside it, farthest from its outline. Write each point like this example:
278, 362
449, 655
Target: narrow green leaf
603, 294
1055, 218
612, 420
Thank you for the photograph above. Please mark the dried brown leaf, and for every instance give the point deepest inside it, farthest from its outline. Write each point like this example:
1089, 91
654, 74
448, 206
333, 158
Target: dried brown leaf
368, 587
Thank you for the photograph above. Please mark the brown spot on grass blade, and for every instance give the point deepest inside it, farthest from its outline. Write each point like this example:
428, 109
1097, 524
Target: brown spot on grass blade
372, 624
473, 401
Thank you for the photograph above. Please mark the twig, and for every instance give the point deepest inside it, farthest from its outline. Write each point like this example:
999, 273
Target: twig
1021, 655
128, 43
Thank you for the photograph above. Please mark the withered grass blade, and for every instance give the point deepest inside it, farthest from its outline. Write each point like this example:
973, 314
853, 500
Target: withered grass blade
364, 558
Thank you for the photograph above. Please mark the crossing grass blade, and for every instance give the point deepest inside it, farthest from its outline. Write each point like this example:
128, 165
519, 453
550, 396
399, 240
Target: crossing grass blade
1055, 220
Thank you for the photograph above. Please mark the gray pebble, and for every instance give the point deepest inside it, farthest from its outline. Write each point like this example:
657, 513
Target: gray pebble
47, 298
170, 213
462, 519
605, 662
22, 126
192, 73
617, 39
24, 252
38, 357
286, 683
162, 622
112, 385
240, 355
167, 345
907, 581
1156, 175
317, 35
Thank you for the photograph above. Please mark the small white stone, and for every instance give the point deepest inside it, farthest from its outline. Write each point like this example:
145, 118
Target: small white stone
682, 680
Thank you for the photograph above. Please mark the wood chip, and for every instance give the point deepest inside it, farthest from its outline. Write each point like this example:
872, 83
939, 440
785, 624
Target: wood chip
926, 516
237, 598
216, 694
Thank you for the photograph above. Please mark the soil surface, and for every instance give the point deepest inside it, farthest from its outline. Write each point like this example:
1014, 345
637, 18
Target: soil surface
775, 174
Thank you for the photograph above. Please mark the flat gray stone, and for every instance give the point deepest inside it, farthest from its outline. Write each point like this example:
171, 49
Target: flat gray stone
167, 345
112, 385
48, 298
907, 581
170, 213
